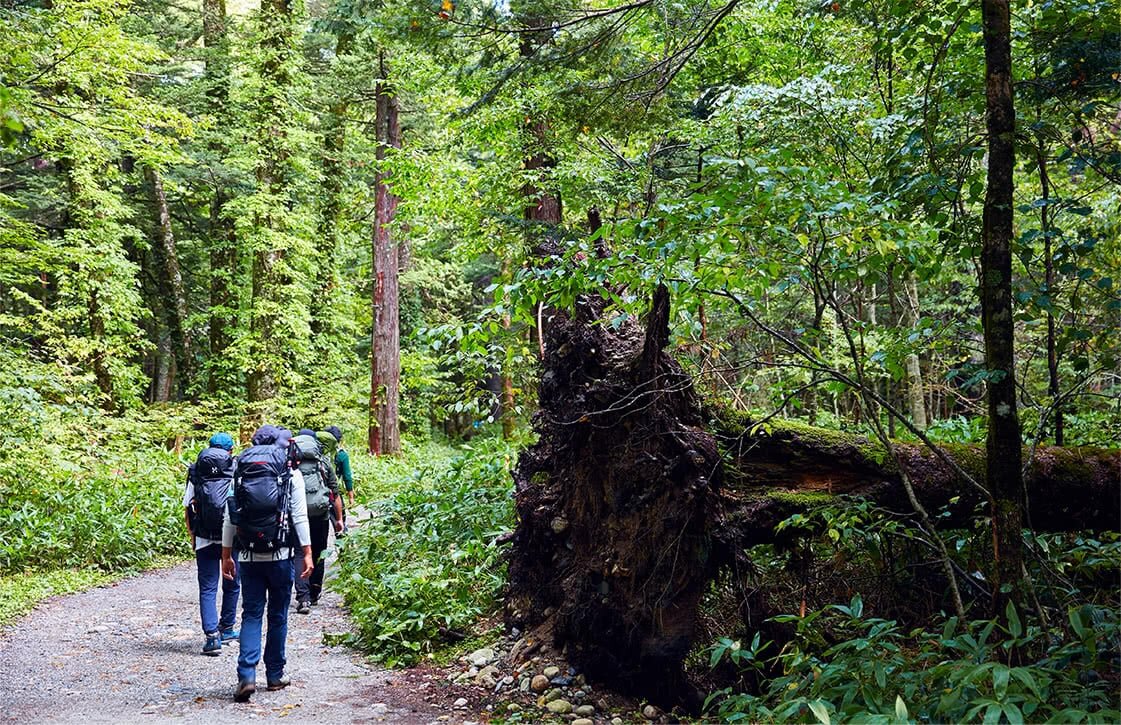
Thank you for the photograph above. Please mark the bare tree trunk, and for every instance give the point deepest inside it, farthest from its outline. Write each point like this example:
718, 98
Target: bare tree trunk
385, 350
1003, 470
916, 398
172, 281
1049, 276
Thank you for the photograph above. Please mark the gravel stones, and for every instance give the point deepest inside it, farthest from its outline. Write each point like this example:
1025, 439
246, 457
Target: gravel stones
539, 683
559, 707
551, 672
481, 657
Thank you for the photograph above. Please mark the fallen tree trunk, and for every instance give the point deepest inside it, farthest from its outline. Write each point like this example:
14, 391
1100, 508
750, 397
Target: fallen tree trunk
1068, 489
633, 499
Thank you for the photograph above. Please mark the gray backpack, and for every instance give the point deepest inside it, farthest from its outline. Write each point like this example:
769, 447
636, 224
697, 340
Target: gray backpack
315, 481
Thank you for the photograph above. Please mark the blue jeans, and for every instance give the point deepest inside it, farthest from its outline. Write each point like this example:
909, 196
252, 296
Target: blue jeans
209, 561
263, 581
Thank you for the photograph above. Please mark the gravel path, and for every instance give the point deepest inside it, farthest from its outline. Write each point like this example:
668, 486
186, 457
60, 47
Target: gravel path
129, 652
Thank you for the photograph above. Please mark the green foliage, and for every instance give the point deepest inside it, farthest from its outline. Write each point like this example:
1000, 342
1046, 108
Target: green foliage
19, 593
427, 563
870, 670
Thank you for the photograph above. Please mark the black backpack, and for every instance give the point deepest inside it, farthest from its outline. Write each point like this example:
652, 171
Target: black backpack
211, 475
262, 480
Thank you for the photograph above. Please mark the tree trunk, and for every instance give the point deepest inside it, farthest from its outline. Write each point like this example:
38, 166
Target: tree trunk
172, 282
385, 352
1003, 472
1053, 388
916, 398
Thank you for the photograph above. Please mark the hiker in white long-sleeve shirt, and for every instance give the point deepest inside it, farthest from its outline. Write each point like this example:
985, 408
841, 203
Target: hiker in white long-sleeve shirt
266, 527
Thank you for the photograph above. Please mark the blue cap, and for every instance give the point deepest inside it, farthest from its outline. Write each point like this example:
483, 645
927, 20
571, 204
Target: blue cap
222, 440
334, 430
306, 432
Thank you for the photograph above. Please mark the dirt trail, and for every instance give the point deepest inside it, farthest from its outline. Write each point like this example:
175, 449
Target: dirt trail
129, 652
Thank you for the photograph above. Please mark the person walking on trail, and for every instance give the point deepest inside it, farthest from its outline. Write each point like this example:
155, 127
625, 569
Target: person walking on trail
209, 486
267, 524
342, 463
324, 509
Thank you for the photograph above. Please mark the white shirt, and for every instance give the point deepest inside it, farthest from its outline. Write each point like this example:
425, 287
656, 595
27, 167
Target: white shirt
297, 511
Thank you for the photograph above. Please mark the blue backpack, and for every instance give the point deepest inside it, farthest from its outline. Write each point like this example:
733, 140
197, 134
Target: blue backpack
262, 480
211, 475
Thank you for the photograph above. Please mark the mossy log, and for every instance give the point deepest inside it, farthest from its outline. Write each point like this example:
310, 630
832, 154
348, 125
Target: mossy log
634, 497
768, 469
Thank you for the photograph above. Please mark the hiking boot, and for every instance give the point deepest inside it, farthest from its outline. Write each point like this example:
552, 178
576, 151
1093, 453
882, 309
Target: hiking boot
213, 646
303, 607
315, 602
279, 684
245, 689
230, 635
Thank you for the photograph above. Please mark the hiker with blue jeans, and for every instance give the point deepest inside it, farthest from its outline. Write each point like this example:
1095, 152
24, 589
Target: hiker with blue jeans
266, 521
204, 506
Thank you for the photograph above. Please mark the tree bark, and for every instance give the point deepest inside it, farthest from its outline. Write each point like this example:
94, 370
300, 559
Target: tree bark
1003, 471
172, 282
385, 353
1070, 489
916, 398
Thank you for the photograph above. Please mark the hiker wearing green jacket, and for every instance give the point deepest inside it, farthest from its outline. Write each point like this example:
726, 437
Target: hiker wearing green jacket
342, 463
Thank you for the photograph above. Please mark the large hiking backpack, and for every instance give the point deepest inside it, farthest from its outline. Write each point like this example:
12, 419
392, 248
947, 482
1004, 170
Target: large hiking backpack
312, 467
262, 479
211, 475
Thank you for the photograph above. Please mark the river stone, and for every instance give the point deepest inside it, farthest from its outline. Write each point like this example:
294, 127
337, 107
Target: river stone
583, 721
559, 707
524, 684
551, 672
553, 694
585, 710
481, 657
460, 704
539, 683
650, 712
487, 676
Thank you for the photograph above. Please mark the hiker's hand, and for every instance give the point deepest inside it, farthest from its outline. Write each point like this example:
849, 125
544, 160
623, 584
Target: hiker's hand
350, 497
229, 569
338, 526
309, 565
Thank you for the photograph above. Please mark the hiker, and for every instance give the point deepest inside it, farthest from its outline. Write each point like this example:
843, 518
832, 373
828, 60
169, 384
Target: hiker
324, 509
342, 463
267, 519
331, 452
209, 484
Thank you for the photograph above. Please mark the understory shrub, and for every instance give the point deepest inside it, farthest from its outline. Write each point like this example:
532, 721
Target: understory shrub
427, 565
967, 672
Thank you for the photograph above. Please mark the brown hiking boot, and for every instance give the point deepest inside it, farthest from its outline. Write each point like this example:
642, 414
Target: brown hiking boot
245, 689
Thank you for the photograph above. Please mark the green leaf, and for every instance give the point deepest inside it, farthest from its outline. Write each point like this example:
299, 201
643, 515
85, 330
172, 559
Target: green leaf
1015, 628
820, 711
901, 713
